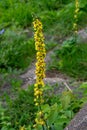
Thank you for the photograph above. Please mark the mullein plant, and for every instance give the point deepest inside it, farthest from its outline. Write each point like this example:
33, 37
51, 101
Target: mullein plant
40, 72
75, 26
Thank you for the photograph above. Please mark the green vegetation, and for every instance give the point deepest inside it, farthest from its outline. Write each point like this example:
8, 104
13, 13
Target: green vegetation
58, 109
17, 16
17, 51
72, 59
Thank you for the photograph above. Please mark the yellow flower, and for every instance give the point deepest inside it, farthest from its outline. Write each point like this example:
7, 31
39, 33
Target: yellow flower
40, 113
41, 122
75, 16
36, 85
38, 92
36, 104
35, 99
22, 128
74, 24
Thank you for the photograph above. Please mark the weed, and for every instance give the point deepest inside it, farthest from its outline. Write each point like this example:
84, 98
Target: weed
16, 51
58, 109
72, 59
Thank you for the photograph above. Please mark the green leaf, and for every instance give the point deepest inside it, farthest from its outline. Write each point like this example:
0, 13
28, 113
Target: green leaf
58, 126
53, 116
45, 108
69, 113
83, 85
11, 129
66, 99
4, 128
28, 128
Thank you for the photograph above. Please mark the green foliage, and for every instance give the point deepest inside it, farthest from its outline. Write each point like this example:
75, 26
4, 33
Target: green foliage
57, 14
83, 91
73, 59
16, 51
50, 45
4, 120
52, 4
21, 109
16, 12
58, 109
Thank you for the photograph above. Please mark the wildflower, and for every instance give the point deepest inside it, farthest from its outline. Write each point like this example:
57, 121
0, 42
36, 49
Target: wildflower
76, 16
36, 104
40, 70
40, 55
22, 128
39, 121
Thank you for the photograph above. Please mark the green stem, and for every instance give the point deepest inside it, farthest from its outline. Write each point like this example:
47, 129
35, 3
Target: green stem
43, 127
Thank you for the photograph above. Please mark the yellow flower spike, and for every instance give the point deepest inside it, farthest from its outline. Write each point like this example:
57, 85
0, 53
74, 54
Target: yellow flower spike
40, 69
76, 16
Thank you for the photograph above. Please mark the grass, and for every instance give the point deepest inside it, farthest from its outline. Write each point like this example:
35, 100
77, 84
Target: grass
72, 59
15, 50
